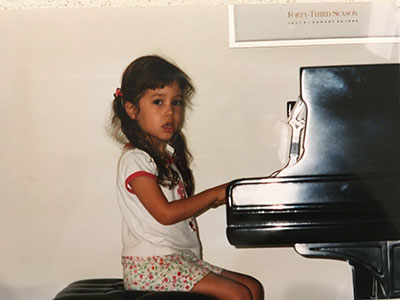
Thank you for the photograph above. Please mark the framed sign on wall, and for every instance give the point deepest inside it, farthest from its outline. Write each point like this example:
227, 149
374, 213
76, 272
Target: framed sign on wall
296, 24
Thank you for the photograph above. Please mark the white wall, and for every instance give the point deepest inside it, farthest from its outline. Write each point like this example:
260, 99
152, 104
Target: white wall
59, 68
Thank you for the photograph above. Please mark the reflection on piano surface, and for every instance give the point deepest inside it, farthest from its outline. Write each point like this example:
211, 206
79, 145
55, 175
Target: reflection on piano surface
339, 194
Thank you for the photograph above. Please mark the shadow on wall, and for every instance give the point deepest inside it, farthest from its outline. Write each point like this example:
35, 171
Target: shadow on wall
7, 292
312, 291
21, 290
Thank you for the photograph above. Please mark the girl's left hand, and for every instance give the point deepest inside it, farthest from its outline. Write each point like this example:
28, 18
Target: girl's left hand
220, 195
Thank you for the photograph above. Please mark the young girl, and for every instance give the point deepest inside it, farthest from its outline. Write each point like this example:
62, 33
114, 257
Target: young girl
161, 248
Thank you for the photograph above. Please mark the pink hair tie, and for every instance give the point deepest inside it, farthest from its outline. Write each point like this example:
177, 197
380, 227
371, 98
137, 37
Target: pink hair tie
118, 93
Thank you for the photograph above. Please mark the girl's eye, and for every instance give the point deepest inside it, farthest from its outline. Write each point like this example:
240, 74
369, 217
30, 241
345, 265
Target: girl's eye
157, 102
177, 102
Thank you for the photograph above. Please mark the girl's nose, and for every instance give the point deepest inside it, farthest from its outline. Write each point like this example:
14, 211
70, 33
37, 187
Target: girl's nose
170, 110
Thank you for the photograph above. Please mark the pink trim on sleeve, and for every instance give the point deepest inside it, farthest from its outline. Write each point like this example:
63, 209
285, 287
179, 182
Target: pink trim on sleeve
137, 174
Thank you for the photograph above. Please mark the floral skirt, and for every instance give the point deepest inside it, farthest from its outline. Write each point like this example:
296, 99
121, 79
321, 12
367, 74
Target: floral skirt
175, 272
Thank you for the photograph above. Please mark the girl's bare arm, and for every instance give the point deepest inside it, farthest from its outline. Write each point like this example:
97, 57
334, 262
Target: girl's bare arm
167, 213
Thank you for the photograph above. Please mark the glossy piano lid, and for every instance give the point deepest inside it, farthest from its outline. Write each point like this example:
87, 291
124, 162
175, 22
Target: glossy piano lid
352, 120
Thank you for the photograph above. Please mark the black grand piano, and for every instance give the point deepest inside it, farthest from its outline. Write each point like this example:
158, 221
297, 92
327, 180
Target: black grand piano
338, 197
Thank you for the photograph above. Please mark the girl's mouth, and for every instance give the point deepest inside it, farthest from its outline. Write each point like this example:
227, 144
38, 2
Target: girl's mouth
168, 127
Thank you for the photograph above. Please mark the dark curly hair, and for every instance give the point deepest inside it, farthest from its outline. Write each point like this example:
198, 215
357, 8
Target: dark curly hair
153, 72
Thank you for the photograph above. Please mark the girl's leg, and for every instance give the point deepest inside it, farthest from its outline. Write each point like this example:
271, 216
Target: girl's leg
222, 288
256, 288
230, 286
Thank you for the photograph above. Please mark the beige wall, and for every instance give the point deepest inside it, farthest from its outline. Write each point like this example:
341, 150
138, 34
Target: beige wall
59, 68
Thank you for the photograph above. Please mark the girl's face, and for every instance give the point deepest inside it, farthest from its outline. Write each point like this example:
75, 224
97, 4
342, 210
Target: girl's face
159, 114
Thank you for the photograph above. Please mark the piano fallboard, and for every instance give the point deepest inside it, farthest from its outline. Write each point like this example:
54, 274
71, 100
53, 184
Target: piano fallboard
306, 209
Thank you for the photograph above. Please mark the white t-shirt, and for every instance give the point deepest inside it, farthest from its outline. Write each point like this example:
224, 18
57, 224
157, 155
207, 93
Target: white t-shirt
142, 235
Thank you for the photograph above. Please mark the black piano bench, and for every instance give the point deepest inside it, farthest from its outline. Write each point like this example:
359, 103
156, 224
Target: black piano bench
113, 289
